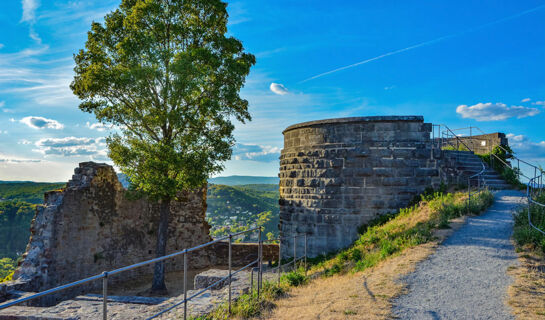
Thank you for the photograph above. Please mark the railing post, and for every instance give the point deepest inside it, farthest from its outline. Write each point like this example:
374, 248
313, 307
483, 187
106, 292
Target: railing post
230, 266
279, 258
306, 267
468, 195
260, 257
105, 296
252, 282
185, 284
295, 253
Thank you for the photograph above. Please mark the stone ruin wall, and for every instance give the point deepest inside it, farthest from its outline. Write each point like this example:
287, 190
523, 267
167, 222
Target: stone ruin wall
484, 143
91, 226
338, 174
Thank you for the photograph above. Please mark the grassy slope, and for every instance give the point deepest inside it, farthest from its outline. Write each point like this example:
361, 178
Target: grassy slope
360, 281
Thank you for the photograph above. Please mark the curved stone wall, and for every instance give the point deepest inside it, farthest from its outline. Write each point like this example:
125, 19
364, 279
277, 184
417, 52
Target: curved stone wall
338, 174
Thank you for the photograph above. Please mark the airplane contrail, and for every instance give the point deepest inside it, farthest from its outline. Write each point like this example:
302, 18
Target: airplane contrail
425, 43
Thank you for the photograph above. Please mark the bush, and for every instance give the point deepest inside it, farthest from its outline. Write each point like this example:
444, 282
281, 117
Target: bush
526, 236
295, 278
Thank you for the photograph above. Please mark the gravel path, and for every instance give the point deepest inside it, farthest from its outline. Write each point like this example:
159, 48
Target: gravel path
466, 278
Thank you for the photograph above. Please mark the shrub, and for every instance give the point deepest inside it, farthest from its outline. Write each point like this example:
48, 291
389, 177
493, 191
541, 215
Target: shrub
524, 234
295, 278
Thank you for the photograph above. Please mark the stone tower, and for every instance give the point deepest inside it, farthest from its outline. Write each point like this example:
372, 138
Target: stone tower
338, 174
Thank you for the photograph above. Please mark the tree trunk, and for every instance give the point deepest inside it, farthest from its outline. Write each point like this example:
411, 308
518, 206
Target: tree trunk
158, 286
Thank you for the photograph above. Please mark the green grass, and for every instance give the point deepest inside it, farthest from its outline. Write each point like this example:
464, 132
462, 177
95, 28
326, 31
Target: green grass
250, 305
524, 235
410, 227
460, 147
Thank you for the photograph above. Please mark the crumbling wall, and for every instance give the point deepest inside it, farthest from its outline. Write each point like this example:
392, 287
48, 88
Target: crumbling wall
92, 226
484, 143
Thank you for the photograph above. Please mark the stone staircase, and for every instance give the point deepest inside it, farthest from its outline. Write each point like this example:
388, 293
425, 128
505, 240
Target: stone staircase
470, 164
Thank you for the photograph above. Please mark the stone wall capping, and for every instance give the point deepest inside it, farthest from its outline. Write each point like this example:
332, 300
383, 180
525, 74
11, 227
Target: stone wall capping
371, 119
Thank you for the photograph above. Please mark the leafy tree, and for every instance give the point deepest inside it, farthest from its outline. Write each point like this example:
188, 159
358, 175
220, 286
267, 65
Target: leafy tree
165, 73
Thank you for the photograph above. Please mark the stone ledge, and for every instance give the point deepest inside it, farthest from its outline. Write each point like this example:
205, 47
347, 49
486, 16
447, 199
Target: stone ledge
355, 119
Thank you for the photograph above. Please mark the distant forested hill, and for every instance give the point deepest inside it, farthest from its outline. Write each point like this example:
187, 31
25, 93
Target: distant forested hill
32, 192
18, 202
236, 208
243, 180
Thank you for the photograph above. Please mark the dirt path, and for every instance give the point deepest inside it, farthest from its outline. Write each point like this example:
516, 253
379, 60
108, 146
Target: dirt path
466, 278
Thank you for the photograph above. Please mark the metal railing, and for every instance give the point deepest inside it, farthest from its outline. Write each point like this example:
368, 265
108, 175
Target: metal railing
104, 276
446, 138
480, 185
534, 186
531, 193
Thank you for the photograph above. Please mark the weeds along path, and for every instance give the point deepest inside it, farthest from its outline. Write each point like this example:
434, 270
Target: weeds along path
466, 278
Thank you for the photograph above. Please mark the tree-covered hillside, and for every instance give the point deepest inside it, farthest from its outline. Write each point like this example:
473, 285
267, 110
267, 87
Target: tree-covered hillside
237, 208
18, 202
32, 192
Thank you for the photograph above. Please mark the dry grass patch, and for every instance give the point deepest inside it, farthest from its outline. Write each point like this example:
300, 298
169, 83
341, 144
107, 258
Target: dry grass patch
527, 293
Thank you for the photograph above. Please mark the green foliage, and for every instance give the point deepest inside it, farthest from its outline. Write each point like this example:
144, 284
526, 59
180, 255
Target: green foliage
526, 236
32, 192
295, 278
238, 208
168, 77
15, 219
460, 147
249, 305
390, 235
499, 159
7, 266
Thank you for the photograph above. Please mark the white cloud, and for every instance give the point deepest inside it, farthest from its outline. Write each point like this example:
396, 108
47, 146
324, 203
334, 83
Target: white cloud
72, 146
255, 152
41, 123
98, 126
12, 120
527, 149
2, 104
29, 16
29, 10
278, 88
17, 168
495, 111
24, 141
525, 100
539, 103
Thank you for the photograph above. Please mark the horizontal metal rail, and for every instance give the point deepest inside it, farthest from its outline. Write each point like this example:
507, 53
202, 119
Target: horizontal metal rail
104, 275
203, 290
529, 187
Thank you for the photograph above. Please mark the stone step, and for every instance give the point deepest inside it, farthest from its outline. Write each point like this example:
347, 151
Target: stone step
499, 186
469, 161
494, 181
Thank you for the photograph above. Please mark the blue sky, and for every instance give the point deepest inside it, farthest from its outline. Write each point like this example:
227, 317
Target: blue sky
460, 63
